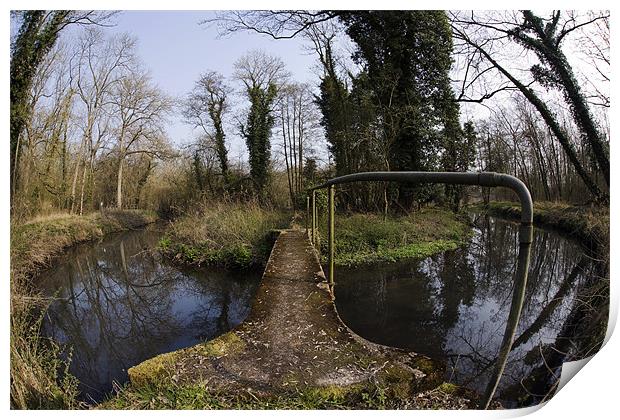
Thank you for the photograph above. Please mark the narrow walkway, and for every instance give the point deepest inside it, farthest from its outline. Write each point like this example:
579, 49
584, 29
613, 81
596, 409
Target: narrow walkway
293, 341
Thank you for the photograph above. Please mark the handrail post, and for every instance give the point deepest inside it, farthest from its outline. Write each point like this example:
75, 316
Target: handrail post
307, 214
313, 205
331, 226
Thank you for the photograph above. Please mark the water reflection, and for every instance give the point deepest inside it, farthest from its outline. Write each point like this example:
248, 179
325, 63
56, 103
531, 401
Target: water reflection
454, 307
117, 305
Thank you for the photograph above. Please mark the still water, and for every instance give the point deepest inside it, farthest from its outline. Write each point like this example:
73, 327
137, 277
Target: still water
117, 305
454, 307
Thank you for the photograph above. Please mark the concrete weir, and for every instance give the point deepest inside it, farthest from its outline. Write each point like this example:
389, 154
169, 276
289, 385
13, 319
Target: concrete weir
294, 342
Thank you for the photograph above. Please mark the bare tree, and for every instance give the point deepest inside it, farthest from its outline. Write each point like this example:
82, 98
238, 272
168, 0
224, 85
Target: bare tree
257, 69
43, 139
100, 66
483, 38
278, 24
141, 110
36, 37
299, 120
594, 44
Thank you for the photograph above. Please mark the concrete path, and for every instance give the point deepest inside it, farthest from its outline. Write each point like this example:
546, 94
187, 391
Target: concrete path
294, 341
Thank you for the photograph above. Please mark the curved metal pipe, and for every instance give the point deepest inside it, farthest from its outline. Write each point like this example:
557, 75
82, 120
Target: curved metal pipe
485, 179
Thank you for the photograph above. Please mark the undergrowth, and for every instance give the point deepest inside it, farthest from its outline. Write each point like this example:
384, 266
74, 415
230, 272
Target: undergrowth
229, 234
369, 238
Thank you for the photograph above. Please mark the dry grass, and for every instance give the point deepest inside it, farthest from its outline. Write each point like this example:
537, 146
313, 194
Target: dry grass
38, 377
224, 233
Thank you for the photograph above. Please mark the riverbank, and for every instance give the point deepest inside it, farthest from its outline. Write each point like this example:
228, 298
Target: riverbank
214, 235
38, 376
369, 238
236, 235
36, 243
588, 225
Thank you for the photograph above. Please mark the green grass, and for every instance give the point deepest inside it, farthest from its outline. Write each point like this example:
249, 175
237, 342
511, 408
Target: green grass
368, 238
39, 379
229, 234
198, 397
371, 395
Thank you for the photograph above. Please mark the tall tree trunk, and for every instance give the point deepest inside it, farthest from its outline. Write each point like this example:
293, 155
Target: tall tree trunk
75, 175
300, 135
119, 183
82, 188
288, 168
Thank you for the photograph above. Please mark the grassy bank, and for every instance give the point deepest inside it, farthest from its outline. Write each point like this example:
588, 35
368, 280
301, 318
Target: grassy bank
38, 378
224, 233
368, 238
367, 396
589, 225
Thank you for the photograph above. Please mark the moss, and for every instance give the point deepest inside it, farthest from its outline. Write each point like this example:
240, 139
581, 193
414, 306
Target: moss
399, 381
448, 388
332, 394
391, 389
152, 371
432, 369
226, 344
160, 368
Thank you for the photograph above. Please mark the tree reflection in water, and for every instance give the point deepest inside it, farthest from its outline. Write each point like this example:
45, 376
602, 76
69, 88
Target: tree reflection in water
454, 307
117, 305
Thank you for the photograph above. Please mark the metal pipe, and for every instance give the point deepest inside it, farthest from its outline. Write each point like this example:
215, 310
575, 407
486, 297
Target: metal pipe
485, 179
307, 215
518, 295
331, 228
313, 238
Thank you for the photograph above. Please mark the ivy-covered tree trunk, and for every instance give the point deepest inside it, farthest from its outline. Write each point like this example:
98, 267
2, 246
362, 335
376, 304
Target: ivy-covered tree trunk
37, 35
220, 144
557, 72
257, 133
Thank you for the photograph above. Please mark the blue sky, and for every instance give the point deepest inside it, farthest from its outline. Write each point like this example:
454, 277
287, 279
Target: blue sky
176, 49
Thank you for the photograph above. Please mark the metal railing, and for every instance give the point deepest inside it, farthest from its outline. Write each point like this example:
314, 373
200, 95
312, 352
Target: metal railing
484, 179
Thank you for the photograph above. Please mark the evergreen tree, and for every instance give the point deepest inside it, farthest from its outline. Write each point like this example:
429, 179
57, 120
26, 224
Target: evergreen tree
407, 57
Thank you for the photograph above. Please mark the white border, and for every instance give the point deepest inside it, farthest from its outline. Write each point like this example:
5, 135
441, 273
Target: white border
593, 394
